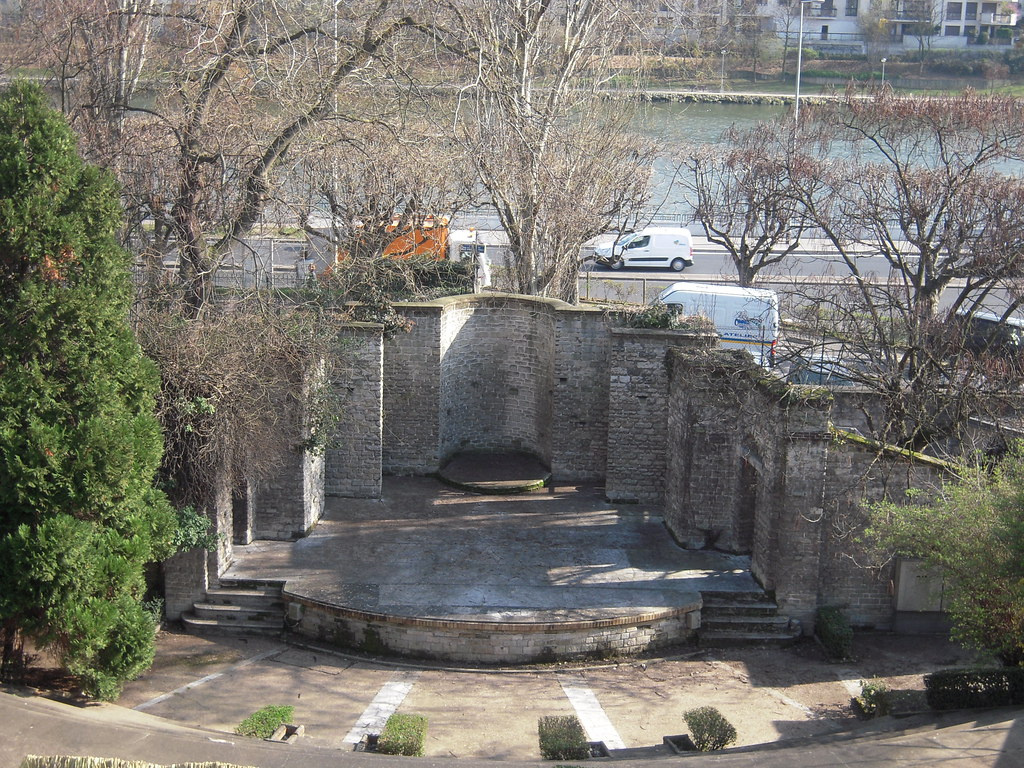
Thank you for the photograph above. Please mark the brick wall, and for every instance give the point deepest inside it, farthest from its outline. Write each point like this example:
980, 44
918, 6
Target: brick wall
353, 463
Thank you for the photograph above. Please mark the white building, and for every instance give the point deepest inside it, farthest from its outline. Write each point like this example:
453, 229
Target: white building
852, 26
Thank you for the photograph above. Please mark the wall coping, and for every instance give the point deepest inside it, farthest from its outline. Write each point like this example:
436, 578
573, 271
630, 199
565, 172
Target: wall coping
488, 299
893, 451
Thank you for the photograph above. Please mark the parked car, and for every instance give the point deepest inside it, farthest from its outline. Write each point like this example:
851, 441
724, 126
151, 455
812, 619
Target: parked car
989, 332
670, 247
823, 370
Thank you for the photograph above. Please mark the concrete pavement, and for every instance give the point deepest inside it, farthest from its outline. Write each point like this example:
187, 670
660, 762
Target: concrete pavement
37, 726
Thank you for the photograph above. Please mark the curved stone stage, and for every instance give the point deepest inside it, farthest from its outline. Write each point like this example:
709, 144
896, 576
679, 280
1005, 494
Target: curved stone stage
429, 571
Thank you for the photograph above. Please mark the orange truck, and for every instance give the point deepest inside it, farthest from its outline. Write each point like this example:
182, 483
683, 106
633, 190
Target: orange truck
429, 241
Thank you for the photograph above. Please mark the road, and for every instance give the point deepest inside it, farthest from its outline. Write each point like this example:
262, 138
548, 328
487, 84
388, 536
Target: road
815, 261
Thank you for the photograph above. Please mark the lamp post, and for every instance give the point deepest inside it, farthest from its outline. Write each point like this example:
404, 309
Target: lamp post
721, 84
799, 60
883, 69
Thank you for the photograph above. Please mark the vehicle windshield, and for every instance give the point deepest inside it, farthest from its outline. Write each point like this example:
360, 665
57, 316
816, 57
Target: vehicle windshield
625, 240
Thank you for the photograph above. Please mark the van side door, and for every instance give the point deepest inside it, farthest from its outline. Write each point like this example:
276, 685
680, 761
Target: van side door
637, 252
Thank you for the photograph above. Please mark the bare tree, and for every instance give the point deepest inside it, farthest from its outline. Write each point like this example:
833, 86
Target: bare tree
378, 181
242, 82
924, 186
742, 197
557, 166
92, 52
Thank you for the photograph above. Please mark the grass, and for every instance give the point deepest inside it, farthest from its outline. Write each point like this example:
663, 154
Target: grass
403, 735
263, 722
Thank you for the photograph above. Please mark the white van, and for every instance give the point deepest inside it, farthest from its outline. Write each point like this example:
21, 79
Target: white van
652, 247
744, 318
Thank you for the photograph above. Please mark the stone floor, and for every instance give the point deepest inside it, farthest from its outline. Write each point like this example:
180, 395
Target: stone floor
561, 553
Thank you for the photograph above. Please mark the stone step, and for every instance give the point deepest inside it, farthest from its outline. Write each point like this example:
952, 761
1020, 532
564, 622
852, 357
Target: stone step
256, 597
200, 626
233, 583
725, 607
757, 624
723, 638
238, 613
735, 596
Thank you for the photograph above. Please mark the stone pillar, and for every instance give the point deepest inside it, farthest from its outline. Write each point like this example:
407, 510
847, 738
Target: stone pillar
185, 582
353, 461
638, 410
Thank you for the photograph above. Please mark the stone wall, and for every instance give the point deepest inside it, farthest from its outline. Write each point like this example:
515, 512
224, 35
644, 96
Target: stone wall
188, 574
497, 372
412, 393
354, 460
185, 582
490, 642
497, 357
638, 393
290, 501
851, 578
754, 466
579, 422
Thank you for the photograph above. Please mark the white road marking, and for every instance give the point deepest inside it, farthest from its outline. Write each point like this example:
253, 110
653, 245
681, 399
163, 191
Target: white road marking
388, 699
590, 712
208, 678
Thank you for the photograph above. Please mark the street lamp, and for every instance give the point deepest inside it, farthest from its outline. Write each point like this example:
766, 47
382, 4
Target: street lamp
799, 60
883, 69
721, 85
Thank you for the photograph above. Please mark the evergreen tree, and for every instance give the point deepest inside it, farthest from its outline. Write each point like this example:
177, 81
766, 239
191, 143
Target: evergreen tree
79, 445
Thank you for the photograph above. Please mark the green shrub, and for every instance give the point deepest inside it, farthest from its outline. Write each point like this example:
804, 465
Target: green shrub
835, 633
562, 738
965, 688
403, 735
874, 699
709, 730
262, 723
665, 317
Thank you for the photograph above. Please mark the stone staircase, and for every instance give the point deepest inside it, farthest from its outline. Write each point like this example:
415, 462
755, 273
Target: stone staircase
238, 607
730, 619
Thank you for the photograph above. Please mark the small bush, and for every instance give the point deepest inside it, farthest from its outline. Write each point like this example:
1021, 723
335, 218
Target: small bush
709, 730
665, 317
966, 688
403, 735
263, 722
562, 738
835, 633
874, 699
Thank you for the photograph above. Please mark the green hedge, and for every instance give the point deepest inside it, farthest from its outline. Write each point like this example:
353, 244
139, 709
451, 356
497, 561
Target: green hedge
966, 688
562, 738
709, 730
403, 735
834, 631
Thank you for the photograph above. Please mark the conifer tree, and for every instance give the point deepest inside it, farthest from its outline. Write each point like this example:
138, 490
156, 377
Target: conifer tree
79, 445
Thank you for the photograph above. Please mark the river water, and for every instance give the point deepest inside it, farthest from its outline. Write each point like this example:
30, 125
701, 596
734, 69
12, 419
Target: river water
674, 126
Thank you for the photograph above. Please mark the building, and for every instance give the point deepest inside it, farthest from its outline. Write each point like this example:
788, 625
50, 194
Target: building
879, 27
